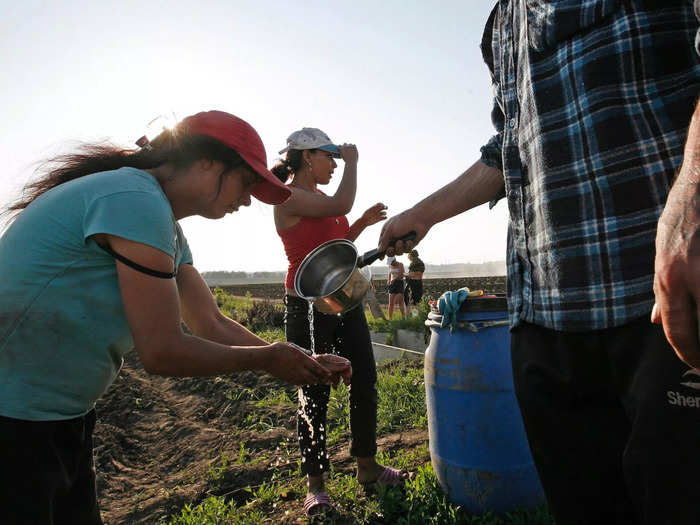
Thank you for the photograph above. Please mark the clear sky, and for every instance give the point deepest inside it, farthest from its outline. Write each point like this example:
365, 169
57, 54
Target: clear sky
402, 79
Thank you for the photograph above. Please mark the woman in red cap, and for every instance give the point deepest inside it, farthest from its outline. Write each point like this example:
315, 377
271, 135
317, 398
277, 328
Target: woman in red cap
308, 219
94, 264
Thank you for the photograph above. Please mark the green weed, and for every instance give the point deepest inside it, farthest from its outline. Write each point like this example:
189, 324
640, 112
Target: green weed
272, 335
277, 398
217, 511
216, 472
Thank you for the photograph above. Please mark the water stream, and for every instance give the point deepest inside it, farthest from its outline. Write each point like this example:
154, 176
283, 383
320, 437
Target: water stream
304, 408
311, 327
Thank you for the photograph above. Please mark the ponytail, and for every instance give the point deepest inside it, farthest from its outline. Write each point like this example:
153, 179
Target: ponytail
287, 166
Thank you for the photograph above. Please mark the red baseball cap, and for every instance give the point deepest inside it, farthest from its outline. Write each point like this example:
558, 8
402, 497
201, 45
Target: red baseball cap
242, 138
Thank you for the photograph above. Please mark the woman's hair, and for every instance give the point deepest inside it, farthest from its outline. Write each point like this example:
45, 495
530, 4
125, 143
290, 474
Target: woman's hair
289, 165
178, 149
413, 253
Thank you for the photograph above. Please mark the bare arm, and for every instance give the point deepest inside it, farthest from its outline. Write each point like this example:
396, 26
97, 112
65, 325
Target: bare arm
479, 184
152, 309
303, 203
202, 315
677, 266
371, 216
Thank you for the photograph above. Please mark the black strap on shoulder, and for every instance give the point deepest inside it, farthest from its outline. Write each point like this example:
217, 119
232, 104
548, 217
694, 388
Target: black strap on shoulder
137, 266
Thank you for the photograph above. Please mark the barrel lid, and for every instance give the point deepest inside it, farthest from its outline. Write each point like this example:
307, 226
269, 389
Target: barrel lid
485, 303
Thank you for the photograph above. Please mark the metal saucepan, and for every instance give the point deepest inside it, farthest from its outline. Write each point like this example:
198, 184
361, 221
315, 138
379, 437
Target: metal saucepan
330, 276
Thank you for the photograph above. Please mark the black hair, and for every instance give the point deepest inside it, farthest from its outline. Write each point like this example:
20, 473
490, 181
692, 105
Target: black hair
289, 165
172, 147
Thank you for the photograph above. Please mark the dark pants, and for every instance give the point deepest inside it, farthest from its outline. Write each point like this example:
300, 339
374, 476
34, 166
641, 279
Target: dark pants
347, 336
613, 425
47, 476
413, 292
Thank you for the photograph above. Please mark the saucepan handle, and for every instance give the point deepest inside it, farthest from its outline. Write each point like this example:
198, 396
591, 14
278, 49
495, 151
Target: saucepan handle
369, 257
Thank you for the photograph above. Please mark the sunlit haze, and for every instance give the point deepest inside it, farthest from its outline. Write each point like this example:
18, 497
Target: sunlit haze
404, 80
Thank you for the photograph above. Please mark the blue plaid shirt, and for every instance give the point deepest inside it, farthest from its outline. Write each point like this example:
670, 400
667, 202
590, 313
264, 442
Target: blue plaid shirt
593, 101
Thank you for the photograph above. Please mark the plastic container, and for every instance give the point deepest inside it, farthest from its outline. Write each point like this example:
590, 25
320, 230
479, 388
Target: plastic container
478, 446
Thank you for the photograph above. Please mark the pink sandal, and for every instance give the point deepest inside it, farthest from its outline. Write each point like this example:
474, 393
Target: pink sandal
390, 477
314, 501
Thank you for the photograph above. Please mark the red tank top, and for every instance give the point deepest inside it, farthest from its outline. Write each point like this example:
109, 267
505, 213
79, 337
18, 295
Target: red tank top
305, 235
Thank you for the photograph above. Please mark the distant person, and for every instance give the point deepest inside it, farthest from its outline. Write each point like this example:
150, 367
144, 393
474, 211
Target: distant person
395, 286
371, 301
95, 264
413, 293
592, 106
308, 219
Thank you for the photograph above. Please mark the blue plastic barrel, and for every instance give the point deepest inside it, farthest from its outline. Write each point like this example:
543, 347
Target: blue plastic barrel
478, 446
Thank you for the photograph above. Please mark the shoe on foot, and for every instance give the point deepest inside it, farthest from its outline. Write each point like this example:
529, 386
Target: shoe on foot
316, 503
390, 477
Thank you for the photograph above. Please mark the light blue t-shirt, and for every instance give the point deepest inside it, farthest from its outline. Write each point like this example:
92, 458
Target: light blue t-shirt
63, 331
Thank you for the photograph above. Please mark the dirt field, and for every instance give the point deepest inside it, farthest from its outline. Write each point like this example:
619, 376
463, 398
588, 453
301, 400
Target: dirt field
432, 287
159, 442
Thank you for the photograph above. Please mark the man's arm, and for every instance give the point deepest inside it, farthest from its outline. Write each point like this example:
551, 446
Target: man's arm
478, 185
677, 266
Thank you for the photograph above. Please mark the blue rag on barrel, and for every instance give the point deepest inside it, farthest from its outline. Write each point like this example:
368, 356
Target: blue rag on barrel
448, 306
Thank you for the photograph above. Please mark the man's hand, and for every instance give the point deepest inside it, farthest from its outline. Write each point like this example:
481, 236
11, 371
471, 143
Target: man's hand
677, 265
400, 225
295, 365
677, 271
373, 215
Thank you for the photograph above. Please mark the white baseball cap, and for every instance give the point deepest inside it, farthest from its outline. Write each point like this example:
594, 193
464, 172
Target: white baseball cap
311, 138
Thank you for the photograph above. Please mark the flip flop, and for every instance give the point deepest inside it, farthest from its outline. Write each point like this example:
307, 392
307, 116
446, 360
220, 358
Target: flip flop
390, 477
312, 502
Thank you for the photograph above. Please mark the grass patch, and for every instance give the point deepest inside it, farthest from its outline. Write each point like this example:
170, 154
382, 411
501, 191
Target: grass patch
401, 390
279, 398
421, 501
272, 335
217, 511
401, 406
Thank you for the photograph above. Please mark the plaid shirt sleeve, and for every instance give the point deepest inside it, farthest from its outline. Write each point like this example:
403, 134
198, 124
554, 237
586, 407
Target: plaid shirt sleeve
491, 153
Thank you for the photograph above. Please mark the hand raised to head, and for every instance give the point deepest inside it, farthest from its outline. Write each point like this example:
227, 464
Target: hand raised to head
349, 153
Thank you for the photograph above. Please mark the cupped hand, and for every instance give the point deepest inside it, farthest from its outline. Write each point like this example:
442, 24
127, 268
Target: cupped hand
295, 365
677, 271
374, 214
349, 153
398, 226
338, 366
